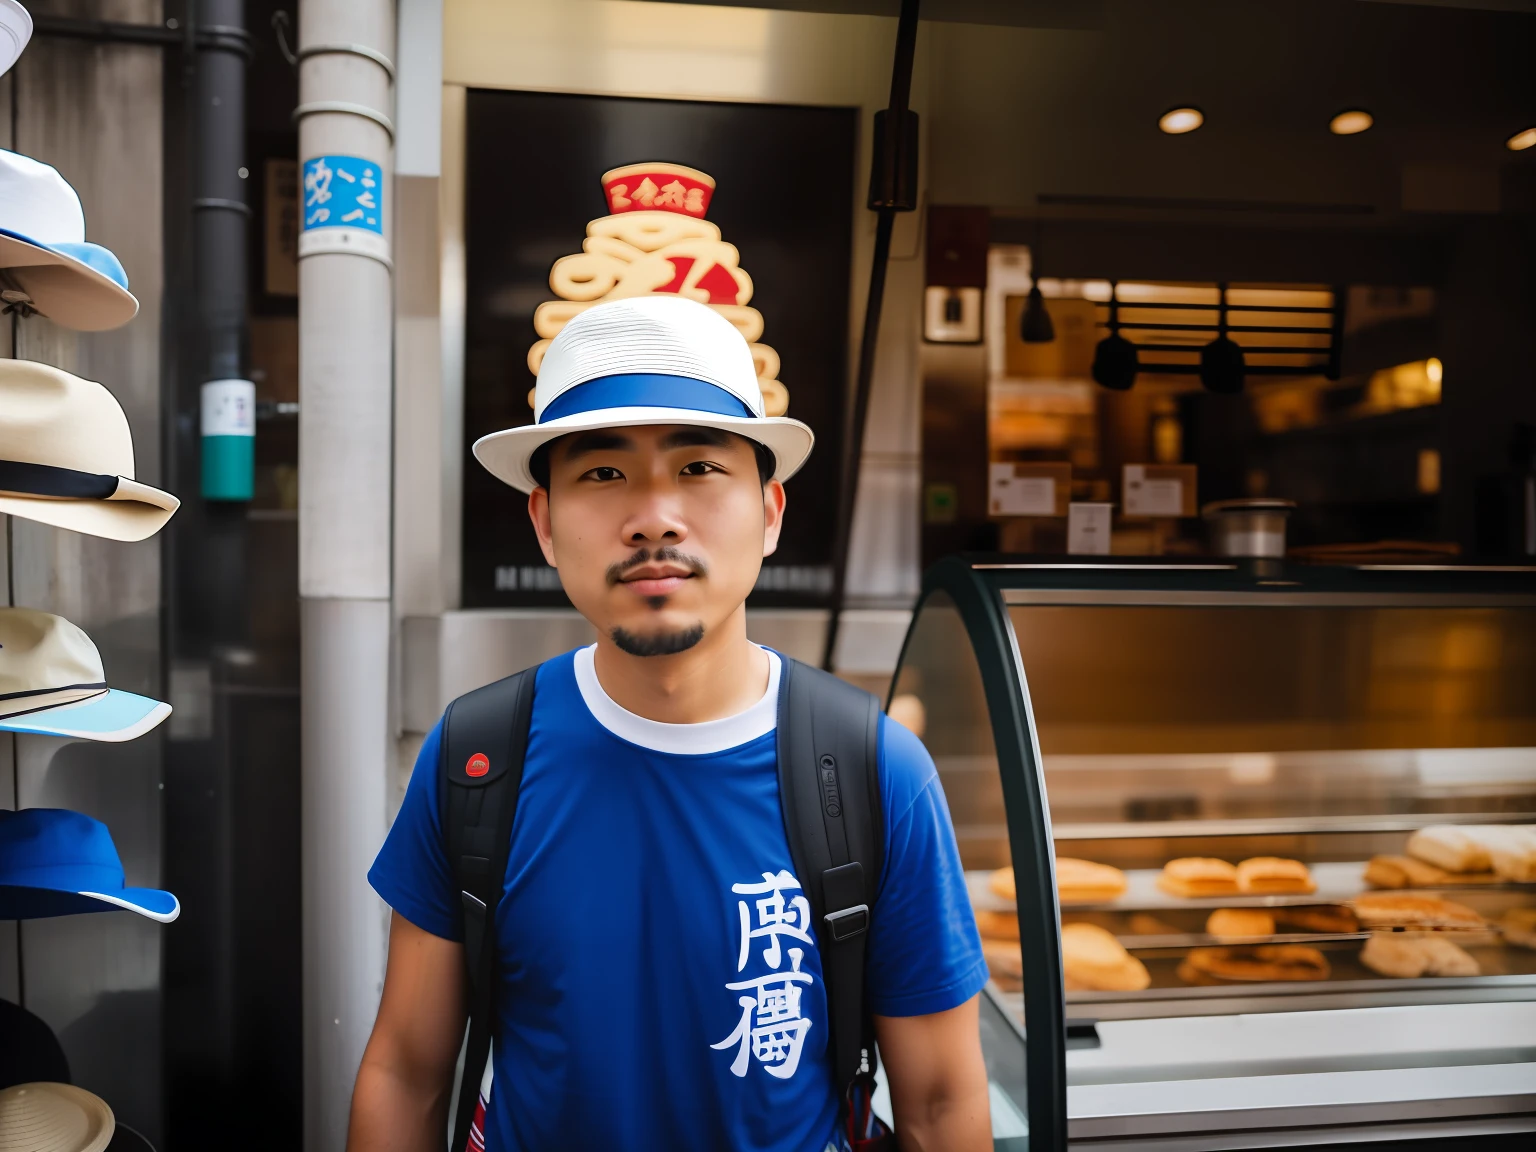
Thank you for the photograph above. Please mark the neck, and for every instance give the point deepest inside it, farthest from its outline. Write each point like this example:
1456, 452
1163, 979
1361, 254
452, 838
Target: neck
722, 675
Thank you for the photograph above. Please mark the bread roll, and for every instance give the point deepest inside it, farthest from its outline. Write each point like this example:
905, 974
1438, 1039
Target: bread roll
1084, 882
1331, 918
1511, 849
1146, 924
1195, 876
1254, 963
1240, 922
997, 925
1413, 910
1002, 884
1274, 874
1093, 960
1449, 847
1407, 872
1407, 957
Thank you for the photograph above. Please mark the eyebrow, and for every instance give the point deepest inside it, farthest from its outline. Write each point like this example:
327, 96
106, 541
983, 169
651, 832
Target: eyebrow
600, 441
693, 436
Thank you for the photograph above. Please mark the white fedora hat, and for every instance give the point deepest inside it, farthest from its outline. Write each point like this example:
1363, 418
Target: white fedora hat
15, 31
645, 360
52, 683
46, 265
66, 456
47, 1117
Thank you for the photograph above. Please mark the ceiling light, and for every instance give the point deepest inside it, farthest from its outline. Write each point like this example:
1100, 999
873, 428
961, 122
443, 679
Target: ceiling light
1520, 141
1177, 121
1351, 122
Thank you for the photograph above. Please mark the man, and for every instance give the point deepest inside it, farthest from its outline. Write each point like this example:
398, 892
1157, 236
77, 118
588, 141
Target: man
649, 896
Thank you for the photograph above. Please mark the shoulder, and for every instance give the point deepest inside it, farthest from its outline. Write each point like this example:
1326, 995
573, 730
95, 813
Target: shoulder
906, 769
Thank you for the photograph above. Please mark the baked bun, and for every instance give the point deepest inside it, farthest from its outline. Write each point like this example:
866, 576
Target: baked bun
1093, 960
1409, 872
1240, 922
1084, 882
1413, 910
1194, 876
1002, 884
1449, 847
1331, 918
1511, 849
1260, 875
1253, 964
1408, 957
995, 925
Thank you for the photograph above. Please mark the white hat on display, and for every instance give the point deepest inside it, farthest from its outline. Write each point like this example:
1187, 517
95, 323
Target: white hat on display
15, 31
66, 456
645, 360
48, 1117
46, 264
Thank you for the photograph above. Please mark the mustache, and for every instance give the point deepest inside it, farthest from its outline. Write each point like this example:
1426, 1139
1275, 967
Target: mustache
666, 555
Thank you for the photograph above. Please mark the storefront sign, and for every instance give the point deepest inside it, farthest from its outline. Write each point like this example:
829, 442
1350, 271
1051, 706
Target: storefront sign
1158, 489
1029, 489
654, 242
343, 207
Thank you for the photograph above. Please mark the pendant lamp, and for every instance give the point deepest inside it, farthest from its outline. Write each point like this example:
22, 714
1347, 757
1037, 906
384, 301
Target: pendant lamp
1035, 325
1115, 360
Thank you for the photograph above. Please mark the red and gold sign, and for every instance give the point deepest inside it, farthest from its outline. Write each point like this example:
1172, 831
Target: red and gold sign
657, 242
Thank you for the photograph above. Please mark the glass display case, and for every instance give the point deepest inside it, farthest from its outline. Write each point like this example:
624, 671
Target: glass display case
1252, 846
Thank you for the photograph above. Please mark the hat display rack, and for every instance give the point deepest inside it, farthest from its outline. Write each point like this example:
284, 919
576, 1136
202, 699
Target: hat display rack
66, 460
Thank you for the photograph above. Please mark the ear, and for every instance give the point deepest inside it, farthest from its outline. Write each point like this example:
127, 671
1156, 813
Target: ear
543, 527
773, 516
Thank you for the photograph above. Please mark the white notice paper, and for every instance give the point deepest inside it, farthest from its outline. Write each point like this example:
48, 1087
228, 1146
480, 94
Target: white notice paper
1088, 529
1011, 495
1144, 497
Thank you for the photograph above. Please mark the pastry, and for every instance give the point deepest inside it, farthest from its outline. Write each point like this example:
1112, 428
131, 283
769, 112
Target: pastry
1332, 918
1198, 876
1519, 927
1084, 882
1449, 847
997, 925
1413, 910
1408, 872
1511, 849
1006, 964
1002, 884
1407, 957
1146, 924
1092, 960
1274, 874
1240, 922
1255, 963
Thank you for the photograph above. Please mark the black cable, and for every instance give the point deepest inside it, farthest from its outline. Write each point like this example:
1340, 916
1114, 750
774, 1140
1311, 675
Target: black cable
892, 157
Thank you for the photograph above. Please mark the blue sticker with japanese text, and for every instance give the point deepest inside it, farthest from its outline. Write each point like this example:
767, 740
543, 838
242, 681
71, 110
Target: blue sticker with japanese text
343, 192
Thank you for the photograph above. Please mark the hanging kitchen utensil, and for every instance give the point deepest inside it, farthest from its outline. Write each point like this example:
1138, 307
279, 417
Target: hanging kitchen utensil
1115, 360
1222, 368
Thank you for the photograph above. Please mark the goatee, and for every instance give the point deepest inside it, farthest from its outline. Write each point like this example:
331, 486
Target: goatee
659, 643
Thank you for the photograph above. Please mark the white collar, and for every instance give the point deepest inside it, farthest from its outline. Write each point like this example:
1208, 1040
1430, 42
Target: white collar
680, 739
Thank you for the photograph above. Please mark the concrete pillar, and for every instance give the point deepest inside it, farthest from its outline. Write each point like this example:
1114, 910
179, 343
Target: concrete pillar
345, 404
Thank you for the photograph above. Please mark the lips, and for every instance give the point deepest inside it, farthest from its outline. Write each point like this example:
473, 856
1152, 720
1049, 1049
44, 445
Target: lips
654, 580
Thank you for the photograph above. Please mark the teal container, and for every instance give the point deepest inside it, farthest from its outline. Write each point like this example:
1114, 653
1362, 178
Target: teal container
229, 440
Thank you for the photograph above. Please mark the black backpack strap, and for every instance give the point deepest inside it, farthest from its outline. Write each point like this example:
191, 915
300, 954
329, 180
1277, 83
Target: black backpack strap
829, 788
480, 769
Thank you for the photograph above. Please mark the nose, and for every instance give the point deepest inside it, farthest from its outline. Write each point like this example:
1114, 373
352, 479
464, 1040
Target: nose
656, 517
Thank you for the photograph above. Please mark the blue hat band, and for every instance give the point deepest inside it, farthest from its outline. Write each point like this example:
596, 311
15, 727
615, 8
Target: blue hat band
646, 390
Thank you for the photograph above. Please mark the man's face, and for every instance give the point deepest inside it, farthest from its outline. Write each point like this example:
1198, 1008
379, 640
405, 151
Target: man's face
658, 532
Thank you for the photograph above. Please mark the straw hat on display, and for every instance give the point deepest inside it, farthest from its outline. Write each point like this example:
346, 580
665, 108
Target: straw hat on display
645, 360
15, 31
66, 456
48, 1117
52, 683
54, 862
46, 265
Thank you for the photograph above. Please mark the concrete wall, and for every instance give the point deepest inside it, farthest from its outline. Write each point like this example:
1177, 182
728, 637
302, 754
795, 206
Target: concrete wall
94, 113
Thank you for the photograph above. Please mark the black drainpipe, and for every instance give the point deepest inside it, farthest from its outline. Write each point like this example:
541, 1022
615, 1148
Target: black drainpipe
892, 189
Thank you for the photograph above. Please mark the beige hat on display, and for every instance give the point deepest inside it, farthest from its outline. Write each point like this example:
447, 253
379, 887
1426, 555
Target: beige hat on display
15, 31
46, 1117
66, 456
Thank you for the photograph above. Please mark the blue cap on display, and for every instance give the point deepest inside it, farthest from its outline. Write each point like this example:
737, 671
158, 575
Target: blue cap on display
54, 862
52, 683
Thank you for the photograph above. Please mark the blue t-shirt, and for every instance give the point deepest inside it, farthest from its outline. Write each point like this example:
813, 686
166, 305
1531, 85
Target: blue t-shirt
661, 985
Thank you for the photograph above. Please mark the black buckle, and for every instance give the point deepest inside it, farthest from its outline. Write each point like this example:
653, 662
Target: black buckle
848, 922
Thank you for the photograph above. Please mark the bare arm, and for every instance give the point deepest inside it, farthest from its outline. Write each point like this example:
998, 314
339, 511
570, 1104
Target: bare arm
938, 1080
401, 1101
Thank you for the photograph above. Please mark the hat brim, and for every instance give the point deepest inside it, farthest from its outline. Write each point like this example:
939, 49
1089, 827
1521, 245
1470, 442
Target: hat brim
505, 454
118, 519
56, 1118
112, 716
24, 902
68, 291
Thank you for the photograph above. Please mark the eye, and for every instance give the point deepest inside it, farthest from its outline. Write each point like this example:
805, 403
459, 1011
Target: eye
602, 474
699, 468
